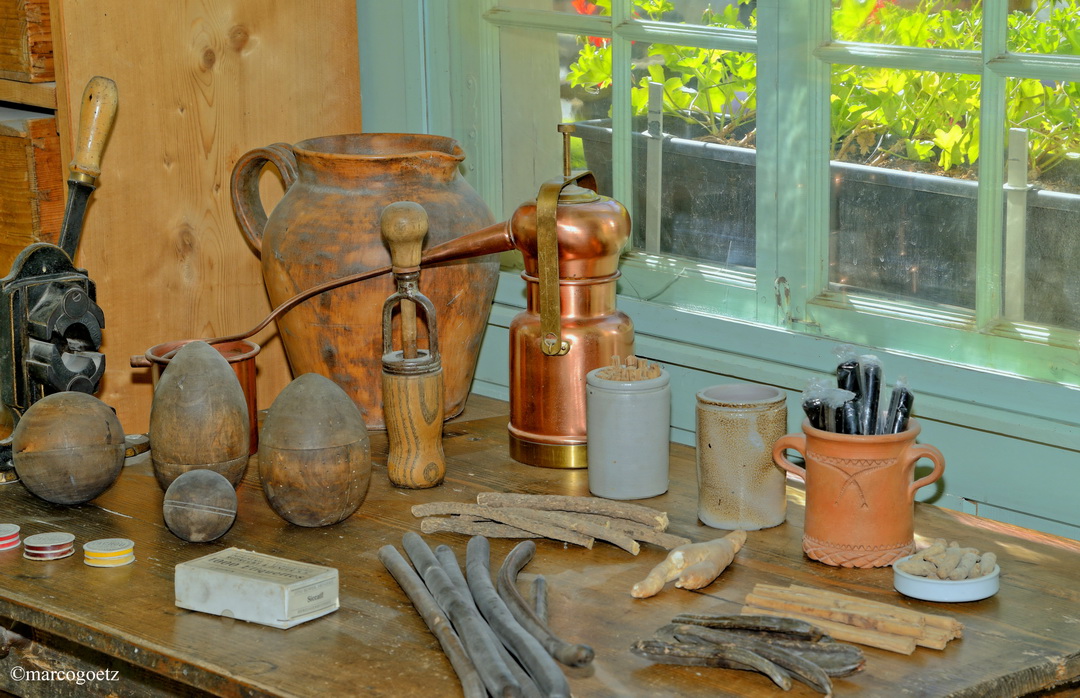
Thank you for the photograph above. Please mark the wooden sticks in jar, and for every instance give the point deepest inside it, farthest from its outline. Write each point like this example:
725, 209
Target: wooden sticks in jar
633, 370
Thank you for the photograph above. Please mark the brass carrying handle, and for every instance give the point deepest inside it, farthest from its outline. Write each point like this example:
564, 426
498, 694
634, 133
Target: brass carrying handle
547, 252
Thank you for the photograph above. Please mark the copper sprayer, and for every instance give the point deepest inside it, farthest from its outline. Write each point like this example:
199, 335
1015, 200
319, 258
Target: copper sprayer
570, 239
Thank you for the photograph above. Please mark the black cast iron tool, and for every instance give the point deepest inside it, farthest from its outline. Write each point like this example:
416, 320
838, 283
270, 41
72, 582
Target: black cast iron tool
50, 323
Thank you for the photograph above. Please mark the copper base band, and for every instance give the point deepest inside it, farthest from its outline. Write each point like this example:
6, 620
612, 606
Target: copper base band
548, 455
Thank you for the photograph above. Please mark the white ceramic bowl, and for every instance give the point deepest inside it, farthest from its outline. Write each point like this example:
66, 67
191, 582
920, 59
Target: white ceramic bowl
933, 589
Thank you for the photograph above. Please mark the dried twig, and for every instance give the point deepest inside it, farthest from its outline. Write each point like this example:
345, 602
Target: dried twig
470, 527
507, 515
588, 505
638, 531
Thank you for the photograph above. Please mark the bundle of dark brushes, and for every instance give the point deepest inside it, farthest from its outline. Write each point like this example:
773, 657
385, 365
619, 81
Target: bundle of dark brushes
852, 405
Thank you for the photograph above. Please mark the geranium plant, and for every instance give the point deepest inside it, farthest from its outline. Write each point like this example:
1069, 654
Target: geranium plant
879, 115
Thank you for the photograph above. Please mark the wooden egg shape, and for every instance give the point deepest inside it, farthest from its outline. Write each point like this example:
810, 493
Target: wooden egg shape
199, 506
68, 448
199, 417
314, 453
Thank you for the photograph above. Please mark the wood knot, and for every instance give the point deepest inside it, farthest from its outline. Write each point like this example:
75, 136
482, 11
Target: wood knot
209, 58
238, 37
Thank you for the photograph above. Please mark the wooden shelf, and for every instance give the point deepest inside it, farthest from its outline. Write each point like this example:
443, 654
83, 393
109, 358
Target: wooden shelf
34, 94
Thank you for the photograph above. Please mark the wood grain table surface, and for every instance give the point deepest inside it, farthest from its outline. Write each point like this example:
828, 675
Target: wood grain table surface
1024, 639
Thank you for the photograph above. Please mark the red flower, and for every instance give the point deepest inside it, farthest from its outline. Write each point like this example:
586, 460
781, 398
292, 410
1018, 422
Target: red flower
584, 7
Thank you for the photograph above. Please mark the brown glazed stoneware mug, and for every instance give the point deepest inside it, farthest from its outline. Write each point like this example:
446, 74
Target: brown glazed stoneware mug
860, 493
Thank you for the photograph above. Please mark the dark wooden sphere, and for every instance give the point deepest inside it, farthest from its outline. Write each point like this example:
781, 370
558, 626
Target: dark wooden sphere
199, 417
314, 453
68, 448
200, 506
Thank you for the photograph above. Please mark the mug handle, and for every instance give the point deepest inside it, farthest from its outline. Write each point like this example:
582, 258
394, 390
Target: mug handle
926, 451
792, 441
247, 204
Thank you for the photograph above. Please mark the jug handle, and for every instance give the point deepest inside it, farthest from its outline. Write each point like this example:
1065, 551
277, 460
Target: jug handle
926, 451
796, 442
247, 203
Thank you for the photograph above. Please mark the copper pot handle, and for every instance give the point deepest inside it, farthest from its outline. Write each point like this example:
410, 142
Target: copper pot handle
796, 442
247, 203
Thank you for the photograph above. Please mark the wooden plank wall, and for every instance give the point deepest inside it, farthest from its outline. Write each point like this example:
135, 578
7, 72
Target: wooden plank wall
200, 83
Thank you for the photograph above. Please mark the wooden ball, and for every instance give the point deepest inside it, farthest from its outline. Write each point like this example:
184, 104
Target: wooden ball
68, 448
314, 453
200, 506
199, 417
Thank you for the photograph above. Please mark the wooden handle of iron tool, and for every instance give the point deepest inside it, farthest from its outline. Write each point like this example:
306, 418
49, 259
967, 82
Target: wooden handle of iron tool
413, 411
95, 122
404, 225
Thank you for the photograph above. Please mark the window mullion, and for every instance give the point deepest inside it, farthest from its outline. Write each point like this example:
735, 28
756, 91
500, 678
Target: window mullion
792, 152
621, 155
988, 246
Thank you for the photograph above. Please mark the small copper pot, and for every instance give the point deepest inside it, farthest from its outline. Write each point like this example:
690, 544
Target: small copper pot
240, 355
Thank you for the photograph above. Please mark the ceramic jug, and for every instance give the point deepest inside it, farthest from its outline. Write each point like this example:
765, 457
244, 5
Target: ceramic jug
860, 493
326, 226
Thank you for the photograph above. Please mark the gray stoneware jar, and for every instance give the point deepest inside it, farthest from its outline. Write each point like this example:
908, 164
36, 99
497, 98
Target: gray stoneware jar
628, 432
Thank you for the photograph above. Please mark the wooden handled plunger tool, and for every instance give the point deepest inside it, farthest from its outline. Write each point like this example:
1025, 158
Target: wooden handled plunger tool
412, 379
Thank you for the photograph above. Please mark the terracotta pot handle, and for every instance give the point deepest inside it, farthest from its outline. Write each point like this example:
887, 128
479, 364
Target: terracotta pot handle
925, 451
793, 441
247, 204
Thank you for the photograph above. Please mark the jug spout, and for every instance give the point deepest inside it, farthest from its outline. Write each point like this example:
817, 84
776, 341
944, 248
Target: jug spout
490, 240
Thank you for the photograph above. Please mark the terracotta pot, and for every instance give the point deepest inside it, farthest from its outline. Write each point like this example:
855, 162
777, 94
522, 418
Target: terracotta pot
327, 226
860, 497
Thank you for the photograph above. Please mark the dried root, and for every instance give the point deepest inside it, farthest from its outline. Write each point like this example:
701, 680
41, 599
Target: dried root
693, 566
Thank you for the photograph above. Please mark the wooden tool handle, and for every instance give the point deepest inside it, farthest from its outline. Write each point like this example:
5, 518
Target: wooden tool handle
95, 122
404, 225
413, 409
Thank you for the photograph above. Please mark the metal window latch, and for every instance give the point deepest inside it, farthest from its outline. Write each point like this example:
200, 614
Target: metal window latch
783, 298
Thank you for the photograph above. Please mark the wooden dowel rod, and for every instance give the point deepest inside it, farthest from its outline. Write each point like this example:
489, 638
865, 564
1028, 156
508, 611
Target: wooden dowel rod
847, 617
937, 621
846, 633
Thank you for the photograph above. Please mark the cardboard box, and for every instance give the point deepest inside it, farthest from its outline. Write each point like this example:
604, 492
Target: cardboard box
257, 588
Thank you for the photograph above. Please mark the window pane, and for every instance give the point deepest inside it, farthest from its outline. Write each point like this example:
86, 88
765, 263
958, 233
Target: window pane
1042, 203
693, 177
535, 98
904, 195
1044, 27
946, 24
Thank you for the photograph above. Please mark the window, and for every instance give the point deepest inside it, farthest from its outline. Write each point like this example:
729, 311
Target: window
894, 173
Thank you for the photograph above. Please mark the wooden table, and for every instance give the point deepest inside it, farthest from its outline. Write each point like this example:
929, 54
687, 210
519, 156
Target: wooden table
1025, 638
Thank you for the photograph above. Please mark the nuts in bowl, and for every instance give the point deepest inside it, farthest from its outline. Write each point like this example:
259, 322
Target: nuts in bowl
945, 571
